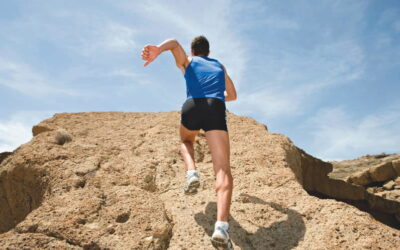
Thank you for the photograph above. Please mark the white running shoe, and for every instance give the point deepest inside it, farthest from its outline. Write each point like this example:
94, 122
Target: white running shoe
192, 183
220, 239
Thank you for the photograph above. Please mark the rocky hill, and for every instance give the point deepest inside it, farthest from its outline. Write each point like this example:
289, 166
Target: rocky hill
113, 180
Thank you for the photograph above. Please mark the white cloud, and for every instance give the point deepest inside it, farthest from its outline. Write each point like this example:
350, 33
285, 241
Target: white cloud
88, 32
292, 80
13, 134
105, 36
214, 20
119, 37
338, 136
344, 60
272, 102
26, 80
18, 128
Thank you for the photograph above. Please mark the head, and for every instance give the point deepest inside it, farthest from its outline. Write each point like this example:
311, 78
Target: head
200, 46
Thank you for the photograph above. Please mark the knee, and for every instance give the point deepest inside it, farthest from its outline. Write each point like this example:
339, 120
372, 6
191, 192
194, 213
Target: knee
186, 145
224, 181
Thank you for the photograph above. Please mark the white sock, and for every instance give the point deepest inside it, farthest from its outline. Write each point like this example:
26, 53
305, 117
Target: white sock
223, 224
191, 172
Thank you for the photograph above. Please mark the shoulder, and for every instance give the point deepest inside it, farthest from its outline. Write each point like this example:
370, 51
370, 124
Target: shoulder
213, 60
187, 63
217, 62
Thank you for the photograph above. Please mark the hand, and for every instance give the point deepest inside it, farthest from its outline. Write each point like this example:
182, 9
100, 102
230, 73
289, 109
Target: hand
149, 53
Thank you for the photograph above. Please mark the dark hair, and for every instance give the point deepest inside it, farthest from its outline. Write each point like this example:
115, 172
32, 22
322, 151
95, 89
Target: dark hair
200, 46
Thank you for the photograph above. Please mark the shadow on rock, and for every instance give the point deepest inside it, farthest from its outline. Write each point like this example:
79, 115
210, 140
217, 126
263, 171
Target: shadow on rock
279, 235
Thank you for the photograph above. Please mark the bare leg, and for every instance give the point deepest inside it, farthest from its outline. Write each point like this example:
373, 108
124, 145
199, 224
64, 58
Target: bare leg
187, 148
218, 142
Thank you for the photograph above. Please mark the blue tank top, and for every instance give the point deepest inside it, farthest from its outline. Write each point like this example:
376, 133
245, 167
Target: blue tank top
205, 77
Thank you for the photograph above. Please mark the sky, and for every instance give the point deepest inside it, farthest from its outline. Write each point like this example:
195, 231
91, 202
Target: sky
324, 73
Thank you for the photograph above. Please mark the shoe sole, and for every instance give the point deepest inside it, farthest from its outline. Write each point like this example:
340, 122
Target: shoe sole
220, 244
192, 188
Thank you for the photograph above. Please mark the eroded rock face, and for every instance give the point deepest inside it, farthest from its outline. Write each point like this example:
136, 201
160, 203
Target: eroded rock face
21, 191
118, 184
377, 173
378, 176
314, 175
4, 155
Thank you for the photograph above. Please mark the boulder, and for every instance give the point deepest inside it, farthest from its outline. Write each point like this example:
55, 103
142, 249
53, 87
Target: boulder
361, 178
37, 129
389, 185
396, 166
382, 172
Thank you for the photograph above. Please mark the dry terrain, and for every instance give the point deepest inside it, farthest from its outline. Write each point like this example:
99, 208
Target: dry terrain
114, 180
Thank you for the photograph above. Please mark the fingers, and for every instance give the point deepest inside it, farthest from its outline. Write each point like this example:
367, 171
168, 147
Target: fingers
145, 54
145, 50
148, 54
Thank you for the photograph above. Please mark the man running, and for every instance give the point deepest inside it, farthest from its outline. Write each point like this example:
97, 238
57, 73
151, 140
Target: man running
208, 87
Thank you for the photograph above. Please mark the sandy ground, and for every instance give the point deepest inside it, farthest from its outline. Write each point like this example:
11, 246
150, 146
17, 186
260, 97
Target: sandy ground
119, 185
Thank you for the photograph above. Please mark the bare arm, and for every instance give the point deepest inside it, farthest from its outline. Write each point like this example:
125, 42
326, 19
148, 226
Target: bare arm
150, 52
230, 91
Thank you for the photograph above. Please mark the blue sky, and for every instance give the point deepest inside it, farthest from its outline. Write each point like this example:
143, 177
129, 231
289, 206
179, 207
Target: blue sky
324, 73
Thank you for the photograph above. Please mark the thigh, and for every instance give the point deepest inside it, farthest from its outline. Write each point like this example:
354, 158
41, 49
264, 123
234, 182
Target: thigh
218, 142
187, 135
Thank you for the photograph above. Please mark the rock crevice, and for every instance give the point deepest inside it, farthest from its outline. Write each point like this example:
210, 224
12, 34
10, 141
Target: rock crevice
313, 175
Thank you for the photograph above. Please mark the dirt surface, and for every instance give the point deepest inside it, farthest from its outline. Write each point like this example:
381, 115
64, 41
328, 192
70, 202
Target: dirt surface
118, 184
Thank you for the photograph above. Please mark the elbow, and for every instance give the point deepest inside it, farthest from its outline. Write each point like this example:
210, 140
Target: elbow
234, 96
174, 40
231, 98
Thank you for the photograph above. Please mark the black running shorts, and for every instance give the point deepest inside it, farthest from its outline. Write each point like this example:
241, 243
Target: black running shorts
204, 113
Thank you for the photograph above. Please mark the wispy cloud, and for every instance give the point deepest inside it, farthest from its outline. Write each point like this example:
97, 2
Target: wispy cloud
26, 80
17, 129
105, 36
293, 79
13, 134
214, 20
337, 136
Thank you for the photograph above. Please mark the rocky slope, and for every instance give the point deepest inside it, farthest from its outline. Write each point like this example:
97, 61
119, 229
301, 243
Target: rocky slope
112, 180
379, 178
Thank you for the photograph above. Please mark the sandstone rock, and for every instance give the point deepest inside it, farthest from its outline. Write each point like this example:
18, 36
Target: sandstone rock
361, 178
397, 216
382, 172
119, 186
396, 166
381, 155
310, 172
389, 185
37, 129
4, 155
381, 204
